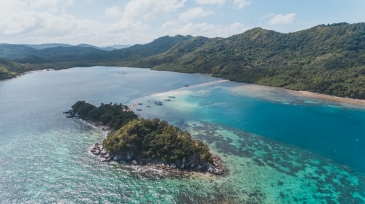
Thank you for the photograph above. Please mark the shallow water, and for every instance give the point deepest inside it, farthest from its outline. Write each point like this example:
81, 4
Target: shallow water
279, 148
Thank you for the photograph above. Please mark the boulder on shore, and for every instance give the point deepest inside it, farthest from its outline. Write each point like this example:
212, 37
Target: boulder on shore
192, 162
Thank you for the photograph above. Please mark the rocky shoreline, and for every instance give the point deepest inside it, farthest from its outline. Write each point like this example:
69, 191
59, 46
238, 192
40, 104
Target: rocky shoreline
95, 124
183, 168
148, 165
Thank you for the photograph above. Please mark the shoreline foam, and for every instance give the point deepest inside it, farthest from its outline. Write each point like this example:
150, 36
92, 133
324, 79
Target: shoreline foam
105, 130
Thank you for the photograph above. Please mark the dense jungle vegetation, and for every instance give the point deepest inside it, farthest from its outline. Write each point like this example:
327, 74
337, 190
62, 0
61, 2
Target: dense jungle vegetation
327, 59
151, 138
112, 115
157, 140
9, 69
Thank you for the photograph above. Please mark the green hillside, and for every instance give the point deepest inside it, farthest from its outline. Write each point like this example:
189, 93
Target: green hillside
64, 57
160, 45
17, 52
9, 69
327, 59
5, 73
10, 51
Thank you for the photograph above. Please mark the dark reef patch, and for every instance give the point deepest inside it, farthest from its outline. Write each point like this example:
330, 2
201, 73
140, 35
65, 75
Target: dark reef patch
287, 160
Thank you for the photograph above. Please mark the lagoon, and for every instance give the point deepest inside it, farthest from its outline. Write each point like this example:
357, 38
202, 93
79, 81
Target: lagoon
279, 147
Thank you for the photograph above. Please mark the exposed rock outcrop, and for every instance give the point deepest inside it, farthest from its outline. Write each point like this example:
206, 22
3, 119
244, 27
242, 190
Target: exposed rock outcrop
192, 163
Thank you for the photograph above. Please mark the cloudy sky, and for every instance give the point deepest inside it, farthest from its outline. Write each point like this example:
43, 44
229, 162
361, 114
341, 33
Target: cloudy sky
108, 22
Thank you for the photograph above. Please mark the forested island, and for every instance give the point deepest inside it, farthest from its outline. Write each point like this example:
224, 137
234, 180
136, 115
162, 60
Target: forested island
328, 59
144, 142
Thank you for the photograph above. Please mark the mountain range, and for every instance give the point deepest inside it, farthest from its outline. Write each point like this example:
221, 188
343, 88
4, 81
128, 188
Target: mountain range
14, 51
327, 59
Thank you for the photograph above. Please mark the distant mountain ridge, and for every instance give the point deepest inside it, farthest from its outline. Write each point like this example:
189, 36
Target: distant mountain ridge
52, 45
10, 51
160, 45
47, 45
114, 47
19, 51
16, 59
59, 52
327, 59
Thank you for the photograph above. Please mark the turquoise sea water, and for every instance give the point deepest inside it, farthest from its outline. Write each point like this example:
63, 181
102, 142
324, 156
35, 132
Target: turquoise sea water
279, 147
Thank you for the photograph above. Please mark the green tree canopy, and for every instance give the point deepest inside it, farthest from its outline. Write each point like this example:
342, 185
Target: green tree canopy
156, 139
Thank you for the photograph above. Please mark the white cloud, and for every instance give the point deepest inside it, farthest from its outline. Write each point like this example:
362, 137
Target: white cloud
127, 26
202, 29
282, 19
241, 3
40, 24
170, 25
47, 21
219, 2
35, 5
268, 15
113, 11
21, 17
150, 8
194, 13
21, 23
48, 5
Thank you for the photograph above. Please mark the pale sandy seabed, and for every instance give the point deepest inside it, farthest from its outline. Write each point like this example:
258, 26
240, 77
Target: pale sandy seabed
278, 94
329, 97
260, 169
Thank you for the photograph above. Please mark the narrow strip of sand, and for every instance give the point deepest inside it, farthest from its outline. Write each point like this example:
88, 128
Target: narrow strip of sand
328, 97
278, 93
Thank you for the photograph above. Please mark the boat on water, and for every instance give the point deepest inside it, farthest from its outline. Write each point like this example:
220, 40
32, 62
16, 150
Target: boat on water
140, 104
170, 96
167, 99
138, 109
159, 103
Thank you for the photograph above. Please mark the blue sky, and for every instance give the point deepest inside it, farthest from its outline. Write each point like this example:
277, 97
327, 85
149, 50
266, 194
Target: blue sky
107, 22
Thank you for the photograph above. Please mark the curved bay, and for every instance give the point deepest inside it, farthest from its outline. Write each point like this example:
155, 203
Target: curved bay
278, 147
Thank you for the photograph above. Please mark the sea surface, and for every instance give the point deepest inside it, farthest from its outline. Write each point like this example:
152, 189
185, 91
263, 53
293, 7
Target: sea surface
279, 147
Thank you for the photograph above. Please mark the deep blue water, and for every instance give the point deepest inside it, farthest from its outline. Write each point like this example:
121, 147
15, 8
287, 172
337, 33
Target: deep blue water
334, 131
330, 129
280, 148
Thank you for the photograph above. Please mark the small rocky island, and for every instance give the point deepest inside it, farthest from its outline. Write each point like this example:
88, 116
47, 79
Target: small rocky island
146, 143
